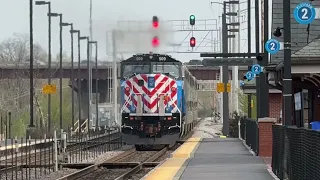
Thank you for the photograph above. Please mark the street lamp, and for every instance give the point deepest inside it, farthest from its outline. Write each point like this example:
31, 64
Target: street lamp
96, 59
72, 75
31, 123
49, 56
79, 73
60, 83
89, 76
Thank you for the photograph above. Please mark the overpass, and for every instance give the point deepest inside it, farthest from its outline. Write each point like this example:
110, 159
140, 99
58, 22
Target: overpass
104, 71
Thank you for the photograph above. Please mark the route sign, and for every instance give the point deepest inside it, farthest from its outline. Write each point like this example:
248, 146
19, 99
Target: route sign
304, 13
220, 87
272, 46
256, 69
228, 87
249, 75
49, 89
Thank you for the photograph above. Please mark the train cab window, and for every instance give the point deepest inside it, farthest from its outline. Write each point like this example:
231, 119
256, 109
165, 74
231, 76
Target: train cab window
130, 69
170, 68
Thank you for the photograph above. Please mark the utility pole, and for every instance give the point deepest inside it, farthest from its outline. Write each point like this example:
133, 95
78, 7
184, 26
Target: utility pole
225, 74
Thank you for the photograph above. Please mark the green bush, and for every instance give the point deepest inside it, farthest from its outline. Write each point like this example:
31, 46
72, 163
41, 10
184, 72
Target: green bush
233, 125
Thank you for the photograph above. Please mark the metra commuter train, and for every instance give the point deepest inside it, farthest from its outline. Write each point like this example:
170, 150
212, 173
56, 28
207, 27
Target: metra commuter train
158, 99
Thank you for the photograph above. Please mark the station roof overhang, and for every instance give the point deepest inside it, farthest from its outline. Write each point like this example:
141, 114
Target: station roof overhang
305, 73
306, 65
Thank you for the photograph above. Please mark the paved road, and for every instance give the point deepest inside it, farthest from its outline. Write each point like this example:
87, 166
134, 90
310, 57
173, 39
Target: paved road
225, 159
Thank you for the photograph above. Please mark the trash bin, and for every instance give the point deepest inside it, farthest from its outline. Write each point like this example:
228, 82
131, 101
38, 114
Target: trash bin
315, 125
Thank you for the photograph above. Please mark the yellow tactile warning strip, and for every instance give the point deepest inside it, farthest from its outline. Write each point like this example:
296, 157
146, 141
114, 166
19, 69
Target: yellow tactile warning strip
171, 166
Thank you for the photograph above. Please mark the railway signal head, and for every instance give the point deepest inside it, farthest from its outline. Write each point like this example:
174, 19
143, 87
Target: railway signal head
192, 42
155, 41
192, 20
155, 22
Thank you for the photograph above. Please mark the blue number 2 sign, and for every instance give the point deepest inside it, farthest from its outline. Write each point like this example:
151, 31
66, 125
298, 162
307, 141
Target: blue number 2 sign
256, 69
272, 46
304, 13
249, 75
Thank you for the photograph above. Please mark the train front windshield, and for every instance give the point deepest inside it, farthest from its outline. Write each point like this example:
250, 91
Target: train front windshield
172, 69
130, 69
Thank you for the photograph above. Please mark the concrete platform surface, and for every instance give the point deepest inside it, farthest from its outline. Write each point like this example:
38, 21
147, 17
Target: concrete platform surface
223, 159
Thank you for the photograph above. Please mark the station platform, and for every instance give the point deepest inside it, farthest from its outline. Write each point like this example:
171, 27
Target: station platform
211, 158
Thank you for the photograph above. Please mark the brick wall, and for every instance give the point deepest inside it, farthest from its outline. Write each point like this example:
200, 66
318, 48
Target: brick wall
265, 136
275, 105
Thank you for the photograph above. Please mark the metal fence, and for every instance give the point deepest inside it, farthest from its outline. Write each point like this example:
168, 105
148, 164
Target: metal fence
295, 153
28, 158
249, 131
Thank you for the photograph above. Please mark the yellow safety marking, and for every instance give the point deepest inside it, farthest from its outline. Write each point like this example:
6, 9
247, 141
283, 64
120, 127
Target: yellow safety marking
171, 166
167, 170
185, 150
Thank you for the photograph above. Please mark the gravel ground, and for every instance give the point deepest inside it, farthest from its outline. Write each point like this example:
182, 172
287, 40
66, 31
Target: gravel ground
36, 173
140, 174
139, 156
104, 174
96, 156
207, 128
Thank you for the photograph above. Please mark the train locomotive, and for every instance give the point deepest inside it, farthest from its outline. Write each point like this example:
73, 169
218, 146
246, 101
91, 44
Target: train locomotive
158, 100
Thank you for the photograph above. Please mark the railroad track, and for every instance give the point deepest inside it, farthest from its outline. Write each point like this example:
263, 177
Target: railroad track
124, 166
44, 156
129, 165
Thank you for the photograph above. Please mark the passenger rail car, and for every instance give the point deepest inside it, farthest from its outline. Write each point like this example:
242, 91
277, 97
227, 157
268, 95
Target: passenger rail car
158, 99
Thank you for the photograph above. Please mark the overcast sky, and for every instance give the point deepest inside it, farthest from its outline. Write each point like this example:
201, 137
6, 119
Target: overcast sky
15, 19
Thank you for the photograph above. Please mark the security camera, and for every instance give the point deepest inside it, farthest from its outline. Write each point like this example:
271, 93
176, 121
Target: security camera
259, 58
277, 32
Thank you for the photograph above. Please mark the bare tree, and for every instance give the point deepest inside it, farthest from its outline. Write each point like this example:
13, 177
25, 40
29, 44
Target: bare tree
14, 93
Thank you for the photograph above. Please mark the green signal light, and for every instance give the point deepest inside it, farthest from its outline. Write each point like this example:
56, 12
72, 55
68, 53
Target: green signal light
192, 20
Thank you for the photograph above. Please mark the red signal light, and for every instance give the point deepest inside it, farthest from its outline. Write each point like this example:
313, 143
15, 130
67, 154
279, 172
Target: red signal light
155, 22
192, 42
155, 41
